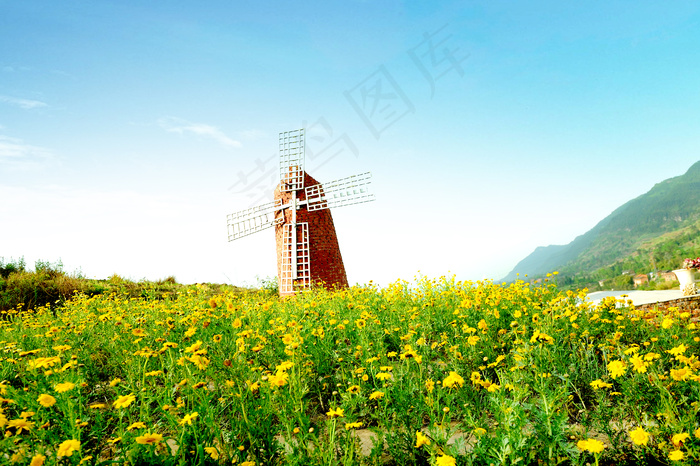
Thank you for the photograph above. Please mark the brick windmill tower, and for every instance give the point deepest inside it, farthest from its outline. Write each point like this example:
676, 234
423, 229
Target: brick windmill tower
307, 245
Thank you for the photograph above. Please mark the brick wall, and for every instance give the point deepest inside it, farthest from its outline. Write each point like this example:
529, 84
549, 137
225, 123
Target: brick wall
326, 260
688, 303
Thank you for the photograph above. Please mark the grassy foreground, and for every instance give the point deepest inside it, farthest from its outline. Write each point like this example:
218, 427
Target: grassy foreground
437, 372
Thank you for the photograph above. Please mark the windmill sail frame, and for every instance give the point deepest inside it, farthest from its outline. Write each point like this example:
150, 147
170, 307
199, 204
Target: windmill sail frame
249, 221
292, 147
345, 191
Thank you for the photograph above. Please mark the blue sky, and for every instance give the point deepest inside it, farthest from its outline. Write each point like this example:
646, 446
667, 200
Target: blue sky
129, 129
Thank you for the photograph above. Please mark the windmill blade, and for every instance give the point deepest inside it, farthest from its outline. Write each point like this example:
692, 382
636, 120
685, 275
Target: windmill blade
292, 150
345, 191
249, 221
295, 272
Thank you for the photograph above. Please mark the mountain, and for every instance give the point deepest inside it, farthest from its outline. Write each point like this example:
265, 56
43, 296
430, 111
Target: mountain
655, 230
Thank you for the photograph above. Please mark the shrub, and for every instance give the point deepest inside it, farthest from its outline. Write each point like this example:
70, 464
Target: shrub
11, 267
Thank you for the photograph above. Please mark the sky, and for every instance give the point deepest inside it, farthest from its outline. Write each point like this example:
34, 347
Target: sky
130, 129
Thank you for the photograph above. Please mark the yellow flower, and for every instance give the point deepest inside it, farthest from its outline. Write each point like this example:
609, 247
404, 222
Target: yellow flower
421, 439
376, 395
248, 463
592, 445
194, 347
21, 424
338, 412
679, 438
136, 425
639, 437
676, 455
115, 382
285, 365
475, 378
479, 431
198, 360
124, 401
44, 363
445, 460
38, 460
429, 385
383, 375
680, 374
680, 349
353, 425
213, 452
46, 400
68, 447
149, 439
64, 387
187, 418
616, 368
596, 384
697, 433
638, 363
279, 379
452, 380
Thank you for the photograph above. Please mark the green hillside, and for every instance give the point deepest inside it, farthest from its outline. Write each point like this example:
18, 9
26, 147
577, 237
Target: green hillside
655, 231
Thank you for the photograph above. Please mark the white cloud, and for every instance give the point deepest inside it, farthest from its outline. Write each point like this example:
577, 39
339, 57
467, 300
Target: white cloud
180, 126
26, 104
17, 154
252, 134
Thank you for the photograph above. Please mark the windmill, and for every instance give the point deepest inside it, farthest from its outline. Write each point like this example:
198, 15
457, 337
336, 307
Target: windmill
307, 245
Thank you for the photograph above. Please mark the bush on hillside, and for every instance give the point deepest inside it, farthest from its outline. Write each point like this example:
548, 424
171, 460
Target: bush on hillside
50, 285
10, 267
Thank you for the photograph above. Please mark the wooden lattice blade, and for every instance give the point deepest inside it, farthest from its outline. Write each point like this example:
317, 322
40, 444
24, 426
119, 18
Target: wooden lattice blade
295, 272
292, 150
345, 191
249, 221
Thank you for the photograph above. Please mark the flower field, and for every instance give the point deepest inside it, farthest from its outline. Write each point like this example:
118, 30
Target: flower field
435, 372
